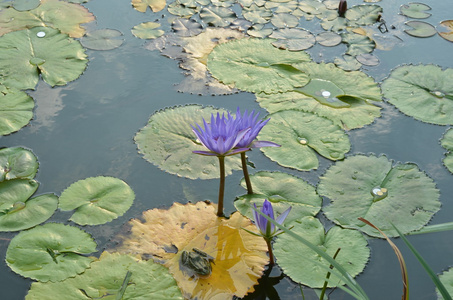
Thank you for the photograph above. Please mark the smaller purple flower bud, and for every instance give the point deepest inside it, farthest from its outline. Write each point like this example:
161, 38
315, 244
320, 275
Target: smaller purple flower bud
342, 7
266, 228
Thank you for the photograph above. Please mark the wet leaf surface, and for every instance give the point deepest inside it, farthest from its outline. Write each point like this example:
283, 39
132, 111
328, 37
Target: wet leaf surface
16, 110
17, 162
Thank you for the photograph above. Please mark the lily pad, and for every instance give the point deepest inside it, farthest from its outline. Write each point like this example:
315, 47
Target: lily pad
421, 91
362, 15
282, 190
447, 143
257, 14
328, 39
102, 39
284, 20
97, 200
155, 5
368, 59
105, 279
238, 256
447, 280
259, 31
26, 55
186, 27
282, 7
51, 252
217, 16
22, 5
269, 70
357, 43
16, 110
301, 263
293, 39
167, 141
420, 29
15, 191
448, 35
178, 9
147, 30
415, 10
302, 135
62, 15
355, 96
347, 63
17, 162
380, 192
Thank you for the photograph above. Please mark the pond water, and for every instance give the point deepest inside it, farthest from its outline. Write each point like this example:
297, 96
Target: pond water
86, 129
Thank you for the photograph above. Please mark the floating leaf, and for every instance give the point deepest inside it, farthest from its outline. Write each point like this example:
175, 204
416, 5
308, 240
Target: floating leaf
102, 39
186, 27
347, 63
447, 143
155, 5
282, 190
62, 15
269, 70
415, 10
16, 109
293, 39
280, 7
447, 280
337, 24
328, 39
22, 5
14, 191
26, 55
420, 29
217, 16
50, 252
302, 264
97, 200
17, 162
168, 141
422, 91
362, 15
448, 35
284, 20
368, 59
257, 14
165, 235
259, 31
178, 9
147, 30
355, 94
379, 192
105, 279
302, 135
357, 44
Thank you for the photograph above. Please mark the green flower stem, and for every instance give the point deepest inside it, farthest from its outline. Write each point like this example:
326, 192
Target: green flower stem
246, 173
222, 186
271, 253
323, 291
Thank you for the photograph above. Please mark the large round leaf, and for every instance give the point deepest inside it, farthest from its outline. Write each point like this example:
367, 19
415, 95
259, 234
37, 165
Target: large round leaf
447, 143
282, 190
269, 70
301, 263
168, 141
217, 16
357, 43
16, 110
110, 277
448, 35
15, 191
424, 92
361, 15
147, 30
50, 252
102, 39
420, 29
302, 135
27, 54
17, 162
97, 200
62, 15
293, 39
415, 10
238, 256
371, 188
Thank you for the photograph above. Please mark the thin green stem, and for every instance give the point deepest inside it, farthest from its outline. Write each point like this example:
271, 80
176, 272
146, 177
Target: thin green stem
271, 253
221, 186
246, 173
321, 297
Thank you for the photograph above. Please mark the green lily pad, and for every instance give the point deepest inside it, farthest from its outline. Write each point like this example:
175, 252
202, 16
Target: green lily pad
217, 16
97, 200
259, 31
282, 7
362, 15
422, 91
357, 43
284, 20
448, 35
347, 63
301, 263
51, 252
337, 24
26, 55
102, 39
447, 280
61, 15
257, 14
368, 59
105, 279
328, 39
269, 70
415, 10
373, 188
282, 190
420, 29
178, 9
28, 213
293, 39
22, 5
147, 30
447, 143
16, 110
15, 191
186, 27
167, 141
356, 93
302, 135
17, 162
142, 5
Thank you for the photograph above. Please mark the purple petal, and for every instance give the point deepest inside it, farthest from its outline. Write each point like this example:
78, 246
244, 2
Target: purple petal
283, 216
236, 151
257, 219
259, 144
268, 210
205, 153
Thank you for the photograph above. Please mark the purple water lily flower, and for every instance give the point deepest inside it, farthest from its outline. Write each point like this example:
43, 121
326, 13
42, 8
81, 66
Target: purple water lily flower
251, 121
266, 228
220, 136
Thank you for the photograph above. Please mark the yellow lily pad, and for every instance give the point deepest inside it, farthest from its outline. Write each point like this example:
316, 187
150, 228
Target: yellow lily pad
155, 5
238, 257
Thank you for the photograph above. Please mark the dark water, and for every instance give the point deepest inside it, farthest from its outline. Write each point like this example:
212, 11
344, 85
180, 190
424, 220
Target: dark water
86, 129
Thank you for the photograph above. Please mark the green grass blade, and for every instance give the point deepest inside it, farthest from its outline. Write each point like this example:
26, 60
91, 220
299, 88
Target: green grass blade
434, 228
